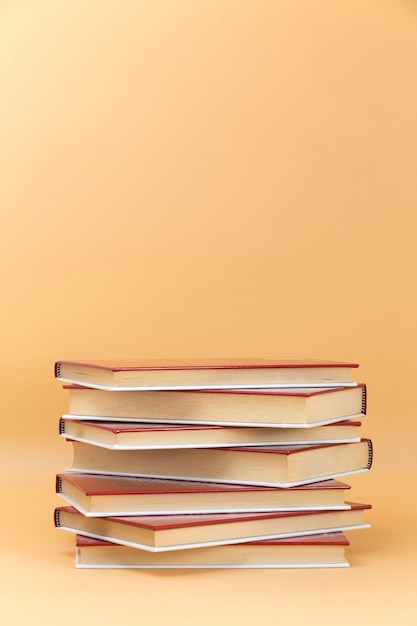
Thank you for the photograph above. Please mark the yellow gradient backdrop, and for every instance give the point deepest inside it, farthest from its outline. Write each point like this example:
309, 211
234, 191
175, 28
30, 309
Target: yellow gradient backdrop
223, 178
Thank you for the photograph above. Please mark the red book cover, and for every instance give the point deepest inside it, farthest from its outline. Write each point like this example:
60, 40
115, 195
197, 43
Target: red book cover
288, 450
165, 522
159, 533
103, 484
119, 434
138, 427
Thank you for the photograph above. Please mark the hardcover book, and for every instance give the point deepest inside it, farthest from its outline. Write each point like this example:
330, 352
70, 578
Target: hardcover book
323, 550
273, 466
204, 373
285, 408
147, 435
158, 533
97, 495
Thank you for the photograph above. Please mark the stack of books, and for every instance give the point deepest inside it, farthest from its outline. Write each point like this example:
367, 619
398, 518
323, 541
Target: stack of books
210, 464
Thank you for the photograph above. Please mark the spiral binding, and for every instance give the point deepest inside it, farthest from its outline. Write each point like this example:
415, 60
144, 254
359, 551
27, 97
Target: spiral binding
370, 454
59, 484
61, 426
57, 370
364, 400
57, 518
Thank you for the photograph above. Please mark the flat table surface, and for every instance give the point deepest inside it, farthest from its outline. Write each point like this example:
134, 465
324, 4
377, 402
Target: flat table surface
40, 585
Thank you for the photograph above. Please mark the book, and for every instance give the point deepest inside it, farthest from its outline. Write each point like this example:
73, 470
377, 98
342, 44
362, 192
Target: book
284, 408
273, 466
96, 495
145, 435
157, 533
322, 550
204, 373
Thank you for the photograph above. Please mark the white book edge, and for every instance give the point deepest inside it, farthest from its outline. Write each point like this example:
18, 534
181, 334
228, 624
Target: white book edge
102, 418
309, 481
205, 387
88, 513
223, 542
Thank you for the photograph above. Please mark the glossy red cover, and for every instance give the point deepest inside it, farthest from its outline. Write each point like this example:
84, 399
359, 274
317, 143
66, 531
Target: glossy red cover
137, 427
103, 484
297, 448
166, 522
325, 539
186, 364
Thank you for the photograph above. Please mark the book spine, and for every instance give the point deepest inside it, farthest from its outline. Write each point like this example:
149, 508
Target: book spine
61, 426
370, 454
364, 400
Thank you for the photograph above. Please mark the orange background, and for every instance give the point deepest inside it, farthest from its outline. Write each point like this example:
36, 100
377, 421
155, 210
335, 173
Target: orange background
219, 178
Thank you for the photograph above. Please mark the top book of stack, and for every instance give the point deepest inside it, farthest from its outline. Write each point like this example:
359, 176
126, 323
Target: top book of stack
184, 374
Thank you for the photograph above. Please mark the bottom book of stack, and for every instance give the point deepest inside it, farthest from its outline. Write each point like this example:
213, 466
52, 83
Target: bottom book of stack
321, 550
310, 538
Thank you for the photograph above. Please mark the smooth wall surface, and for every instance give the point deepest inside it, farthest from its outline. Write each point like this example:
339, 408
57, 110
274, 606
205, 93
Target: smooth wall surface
207, 179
